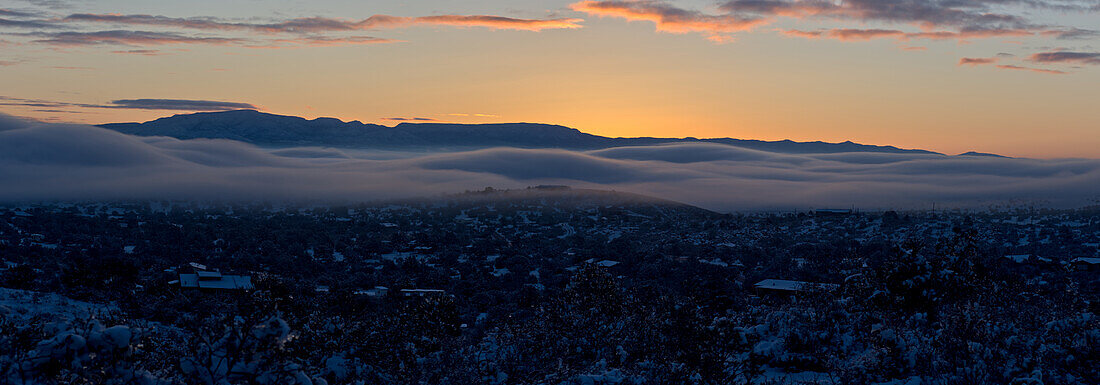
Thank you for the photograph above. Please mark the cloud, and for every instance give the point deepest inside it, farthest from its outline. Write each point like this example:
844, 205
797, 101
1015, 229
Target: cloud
853, 34
857, 20
692, 153
145, 52
180, 104
119, 37
1072, 33
1092, 58
52, 4
926, 13
326, 41
494, 22
26, 24
41, 161
202, 23
137, 104
13, 13
309, 31
413, 119
669, 18
994, 60
324, 24
1036, 70
977, 60
863, 34
21, 102
542, 164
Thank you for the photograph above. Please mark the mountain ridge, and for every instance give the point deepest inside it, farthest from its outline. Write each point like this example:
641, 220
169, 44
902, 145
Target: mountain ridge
266, 129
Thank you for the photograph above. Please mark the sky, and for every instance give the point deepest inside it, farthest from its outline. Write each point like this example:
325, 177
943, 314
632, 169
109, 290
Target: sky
1013, 77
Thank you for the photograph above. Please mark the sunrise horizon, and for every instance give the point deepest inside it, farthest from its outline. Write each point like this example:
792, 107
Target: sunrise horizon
394, 122
937, 75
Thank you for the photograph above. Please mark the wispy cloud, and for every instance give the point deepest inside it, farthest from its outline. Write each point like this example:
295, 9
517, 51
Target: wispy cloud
977, 60
297, 32
324, 24
494, 22
1092, 58
327, 41
13, 13
982, 61
1072, 33
863, 34
128, 38
672, 19
1037, 70
26, 24
137, 104
180, 104
855, 34
864, 20
145, 52
965, 14
413, 119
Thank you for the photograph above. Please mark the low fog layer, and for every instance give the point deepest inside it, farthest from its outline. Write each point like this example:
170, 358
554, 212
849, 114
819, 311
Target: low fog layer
41, 161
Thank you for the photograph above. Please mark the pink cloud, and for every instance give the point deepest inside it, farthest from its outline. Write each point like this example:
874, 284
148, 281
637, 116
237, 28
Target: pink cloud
671, 19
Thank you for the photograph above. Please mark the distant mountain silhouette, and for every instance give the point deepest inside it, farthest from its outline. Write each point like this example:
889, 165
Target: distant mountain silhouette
975, 153
276, 130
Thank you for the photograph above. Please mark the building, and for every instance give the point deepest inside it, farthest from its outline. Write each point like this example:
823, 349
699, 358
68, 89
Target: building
1086, 263
376, 292
423, 293
785, 287
212, 280
603, 263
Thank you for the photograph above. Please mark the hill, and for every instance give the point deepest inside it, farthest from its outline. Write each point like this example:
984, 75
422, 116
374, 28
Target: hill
280, 131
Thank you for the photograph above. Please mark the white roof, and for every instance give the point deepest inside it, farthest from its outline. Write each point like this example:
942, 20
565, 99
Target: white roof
784, 285
208, 274
238, 282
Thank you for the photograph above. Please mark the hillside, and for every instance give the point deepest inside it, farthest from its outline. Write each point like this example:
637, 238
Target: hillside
277, 130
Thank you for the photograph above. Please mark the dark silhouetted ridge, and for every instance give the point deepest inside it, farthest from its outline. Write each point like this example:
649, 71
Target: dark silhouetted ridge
277, 130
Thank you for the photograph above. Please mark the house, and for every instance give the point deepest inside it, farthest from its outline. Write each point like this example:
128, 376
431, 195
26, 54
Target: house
785, 287
212, 280
376, 292
423, 293
603, 263
1086, 263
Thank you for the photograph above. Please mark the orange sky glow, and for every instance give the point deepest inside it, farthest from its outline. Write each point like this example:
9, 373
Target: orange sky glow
1025, 85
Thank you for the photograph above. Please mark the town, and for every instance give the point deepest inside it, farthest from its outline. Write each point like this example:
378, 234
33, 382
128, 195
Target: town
551, 285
